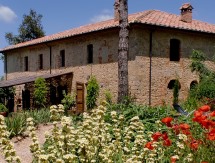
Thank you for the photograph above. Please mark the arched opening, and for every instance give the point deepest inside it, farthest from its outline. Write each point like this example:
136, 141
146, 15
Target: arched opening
172, 83
193, 84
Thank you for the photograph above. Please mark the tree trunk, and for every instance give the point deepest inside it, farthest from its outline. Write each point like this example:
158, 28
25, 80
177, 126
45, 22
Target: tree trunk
123, 51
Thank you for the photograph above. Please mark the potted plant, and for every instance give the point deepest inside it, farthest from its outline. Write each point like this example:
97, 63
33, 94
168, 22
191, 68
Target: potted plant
3, 110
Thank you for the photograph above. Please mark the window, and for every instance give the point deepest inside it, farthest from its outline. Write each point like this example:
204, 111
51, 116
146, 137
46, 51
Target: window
90, 53
26, 63
41, 61
174, 50
172, 84
62, 58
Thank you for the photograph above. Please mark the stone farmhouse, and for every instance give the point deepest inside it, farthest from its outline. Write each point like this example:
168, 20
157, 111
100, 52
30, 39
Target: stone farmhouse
160, 45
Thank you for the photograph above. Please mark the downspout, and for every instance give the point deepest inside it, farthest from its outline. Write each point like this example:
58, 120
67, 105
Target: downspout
50, 59
150, 68
5, 65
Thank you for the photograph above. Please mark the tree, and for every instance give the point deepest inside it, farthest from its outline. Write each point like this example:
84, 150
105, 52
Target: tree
176, 91
92, 92
1, 57
40, 92
31, 28
123, 51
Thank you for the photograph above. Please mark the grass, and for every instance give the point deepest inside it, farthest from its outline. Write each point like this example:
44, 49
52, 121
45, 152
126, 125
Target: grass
16, 122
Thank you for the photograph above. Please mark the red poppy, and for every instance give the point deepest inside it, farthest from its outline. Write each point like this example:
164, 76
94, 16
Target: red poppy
198, 113
194, 145
149, 145
173, 160
167, 142
184, 126
186, 132
167, 121
207, 123
156, 136
205, 108
164, 135
212, 114
211, 135
199, 119
176, 128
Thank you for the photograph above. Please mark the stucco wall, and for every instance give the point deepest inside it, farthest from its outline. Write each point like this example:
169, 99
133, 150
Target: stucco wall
105, 56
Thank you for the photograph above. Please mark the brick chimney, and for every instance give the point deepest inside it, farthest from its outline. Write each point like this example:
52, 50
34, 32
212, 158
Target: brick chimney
116, 10
186, 13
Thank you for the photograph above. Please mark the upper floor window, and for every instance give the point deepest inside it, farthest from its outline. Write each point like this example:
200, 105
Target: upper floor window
41, 61
90, 53
62, 58
26, 63
174, 50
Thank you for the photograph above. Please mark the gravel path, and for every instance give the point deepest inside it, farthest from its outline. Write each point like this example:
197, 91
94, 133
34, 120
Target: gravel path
22, 145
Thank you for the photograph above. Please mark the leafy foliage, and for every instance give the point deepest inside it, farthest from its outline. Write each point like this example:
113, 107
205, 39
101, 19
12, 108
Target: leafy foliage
176, 92
16, 121
183, 139
68, 101
206, 86
108, 97
30, 29
148, 115
92, 92
1, 57
6, 95
40, 92
3, 108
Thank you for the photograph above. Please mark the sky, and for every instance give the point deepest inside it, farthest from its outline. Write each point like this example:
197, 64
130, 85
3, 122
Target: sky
66, 14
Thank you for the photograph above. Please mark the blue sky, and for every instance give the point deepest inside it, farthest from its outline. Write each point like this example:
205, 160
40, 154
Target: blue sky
66, 14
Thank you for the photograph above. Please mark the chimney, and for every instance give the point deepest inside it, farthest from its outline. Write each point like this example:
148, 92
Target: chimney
116, 10
186, 13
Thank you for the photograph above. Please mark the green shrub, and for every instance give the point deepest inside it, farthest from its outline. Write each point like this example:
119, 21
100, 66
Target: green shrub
108, 97
40, 92
3, 108
206, 87
16, 122
148, 115
92, 92
176, 92
68, 101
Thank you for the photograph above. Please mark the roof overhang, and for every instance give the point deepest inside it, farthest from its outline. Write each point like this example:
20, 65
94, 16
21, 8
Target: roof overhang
29, 79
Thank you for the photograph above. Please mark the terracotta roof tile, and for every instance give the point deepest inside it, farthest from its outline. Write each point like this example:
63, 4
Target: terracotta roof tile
152, 17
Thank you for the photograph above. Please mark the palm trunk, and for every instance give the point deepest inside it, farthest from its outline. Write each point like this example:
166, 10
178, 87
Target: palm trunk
123, 51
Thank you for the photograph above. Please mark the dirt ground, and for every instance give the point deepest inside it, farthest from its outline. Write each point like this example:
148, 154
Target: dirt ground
21, 145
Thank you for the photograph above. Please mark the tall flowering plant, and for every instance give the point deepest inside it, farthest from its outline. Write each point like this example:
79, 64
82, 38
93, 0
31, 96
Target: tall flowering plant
6, 145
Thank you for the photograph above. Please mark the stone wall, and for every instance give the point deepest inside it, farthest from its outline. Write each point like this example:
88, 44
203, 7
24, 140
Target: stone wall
105, 66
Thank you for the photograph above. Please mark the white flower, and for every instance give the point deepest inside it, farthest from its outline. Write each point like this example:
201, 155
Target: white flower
65, 120
175, 157
113, 113
180, 145
29, 119
182, 137
136, 118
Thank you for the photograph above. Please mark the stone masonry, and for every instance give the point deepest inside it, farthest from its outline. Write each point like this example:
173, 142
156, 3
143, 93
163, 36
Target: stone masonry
104, 66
